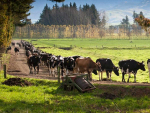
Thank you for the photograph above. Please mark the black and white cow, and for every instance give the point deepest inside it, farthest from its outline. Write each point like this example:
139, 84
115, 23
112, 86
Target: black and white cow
53, 63
13, 43
8, 48
44, 58
108, 66
148, 64
130, 66
69, 64
33, 61
16, 49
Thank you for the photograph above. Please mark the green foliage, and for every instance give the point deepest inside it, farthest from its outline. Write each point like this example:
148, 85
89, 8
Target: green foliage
12, 14
66, 15
125, 21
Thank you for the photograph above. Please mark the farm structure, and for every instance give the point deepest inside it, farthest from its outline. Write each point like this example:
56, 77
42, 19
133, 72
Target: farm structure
80, 82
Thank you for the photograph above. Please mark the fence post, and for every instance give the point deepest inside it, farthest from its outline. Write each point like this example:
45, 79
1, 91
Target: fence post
58, 72
4, 71
0, 65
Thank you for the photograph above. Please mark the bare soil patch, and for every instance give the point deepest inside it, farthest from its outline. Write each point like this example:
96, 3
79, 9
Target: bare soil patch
17, 82
112, 92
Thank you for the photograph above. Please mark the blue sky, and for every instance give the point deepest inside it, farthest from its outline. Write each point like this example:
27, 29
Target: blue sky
115, 9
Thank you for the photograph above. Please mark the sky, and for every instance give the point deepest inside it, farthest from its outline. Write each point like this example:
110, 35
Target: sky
115, 10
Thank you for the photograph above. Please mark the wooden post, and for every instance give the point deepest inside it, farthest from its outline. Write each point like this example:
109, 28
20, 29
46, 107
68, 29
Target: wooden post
0, 65
58, 72
4, 71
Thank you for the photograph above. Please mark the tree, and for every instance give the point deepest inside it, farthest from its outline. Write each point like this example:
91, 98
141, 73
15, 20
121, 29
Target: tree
69, 15
13, 13
125, 21
135, 15
45, 16
143, 22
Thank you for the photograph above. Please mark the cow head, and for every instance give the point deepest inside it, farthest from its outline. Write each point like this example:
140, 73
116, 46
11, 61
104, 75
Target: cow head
141, 66
116, 70
95, 72
99, 66
53, 61
70, 63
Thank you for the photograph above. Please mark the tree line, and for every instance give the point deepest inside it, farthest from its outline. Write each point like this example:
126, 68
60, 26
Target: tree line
79, 31
71, 15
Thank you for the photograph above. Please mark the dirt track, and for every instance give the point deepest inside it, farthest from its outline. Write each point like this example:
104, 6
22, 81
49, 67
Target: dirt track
18, 67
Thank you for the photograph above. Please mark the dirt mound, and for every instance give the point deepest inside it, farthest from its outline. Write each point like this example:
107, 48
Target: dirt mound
17, 82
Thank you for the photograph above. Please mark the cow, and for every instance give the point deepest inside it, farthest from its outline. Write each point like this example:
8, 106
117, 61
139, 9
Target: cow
87, 65
8, 48
130, 66
33, 61
28, 53
16, 49
13, 43
69, 64
108, 66
19, 44
44, 57
148, 64
75, 57
52, 65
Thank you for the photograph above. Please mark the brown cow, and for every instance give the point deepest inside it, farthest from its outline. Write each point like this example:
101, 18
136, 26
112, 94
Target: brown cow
83, 65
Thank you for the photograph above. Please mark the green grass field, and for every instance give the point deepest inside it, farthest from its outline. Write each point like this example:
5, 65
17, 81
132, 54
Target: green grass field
95, 48
44, 97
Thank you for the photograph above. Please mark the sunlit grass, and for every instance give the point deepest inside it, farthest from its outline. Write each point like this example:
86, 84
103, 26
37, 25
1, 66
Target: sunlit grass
96, 48
45, 97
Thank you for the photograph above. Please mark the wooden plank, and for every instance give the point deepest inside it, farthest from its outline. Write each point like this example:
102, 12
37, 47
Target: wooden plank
4, 71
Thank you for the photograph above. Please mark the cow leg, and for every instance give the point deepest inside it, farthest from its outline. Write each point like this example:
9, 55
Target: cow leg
149, 74
90, 76
128, 77
30, 67
62, 72
38, 69
48, 69
52, 71
110, 75
99, 74
135, 78
34, 70
123, 79
107, 74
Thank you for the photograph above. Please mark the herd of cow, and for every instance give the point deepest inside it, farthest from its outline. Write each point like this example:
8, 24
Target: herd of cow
77, 64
